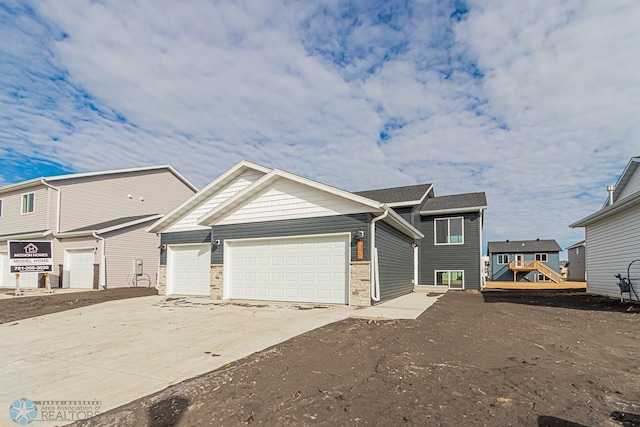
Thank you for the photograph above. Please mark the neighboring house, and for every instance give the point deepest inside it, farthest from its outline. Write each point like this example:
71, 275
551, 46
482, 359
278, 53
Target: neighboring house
525, 261
267, 234
96, 222
576, 262
612, 235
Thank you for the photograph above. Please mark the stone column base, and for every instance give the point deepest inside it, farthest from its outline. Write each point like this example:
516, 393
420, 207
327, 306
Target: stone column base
162, 280
360, 283
217, 281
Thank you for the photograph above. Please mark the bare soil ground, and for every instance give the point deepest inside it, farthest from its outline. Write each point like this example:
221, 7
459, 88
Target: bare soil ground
490, 359
19, 308
493, 359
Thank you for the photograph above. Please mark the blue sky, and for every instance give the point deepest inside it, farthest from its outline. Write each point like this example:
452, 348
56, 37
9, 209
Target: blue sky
535, 103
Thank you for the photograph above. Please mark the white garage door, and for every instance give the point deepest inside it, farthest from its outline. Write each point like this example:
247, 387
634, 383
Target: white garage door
8, 279
301, 269
189, 270
78, 269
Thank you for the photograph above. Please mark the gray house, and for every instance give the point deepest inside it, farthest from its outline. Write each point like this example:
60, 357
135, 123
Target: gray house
576, 262
96, 222
258, 233
612, 234
525, 261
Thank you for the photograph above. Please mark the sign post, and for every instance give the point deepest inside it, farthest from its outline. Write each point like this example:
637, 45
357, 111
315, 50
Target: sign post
30, 257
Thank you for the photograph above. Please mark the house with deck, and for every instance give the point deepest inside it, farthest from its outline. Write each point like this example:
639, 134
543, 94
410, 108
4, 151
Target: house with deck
525, 261
96, 222
257, 233
612, 234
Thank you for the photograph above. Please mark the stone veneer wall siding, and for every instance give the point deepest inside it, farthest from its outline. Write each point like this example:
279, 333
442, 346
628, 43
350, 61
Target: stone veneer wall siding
217, 281
162, 280
360, 283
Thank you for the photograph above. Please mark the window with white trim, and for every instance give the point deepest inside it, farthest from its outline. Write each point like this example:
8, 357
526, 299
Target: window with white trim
28, 203
543, 278
454, 279
577, 249
542, 257
449, 231
503, 259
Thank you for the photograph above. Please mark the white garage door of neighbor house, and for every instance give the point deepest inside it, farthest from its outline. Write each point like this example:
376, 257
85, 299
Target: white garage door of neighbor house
8, 279
189, 269
298, 269
78, 271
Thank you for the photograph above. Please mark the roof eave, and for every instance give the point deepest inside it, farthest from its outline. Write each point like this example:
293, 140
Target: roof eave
454, 210
82, 233
402, 223
606, 212
28, 235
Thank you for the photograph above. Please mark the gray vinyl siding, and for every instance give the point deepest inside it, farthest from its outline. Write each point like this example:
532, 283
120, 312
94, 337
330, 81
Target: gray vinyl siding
576, 258
395, 257
465, 257
294, 227
405, 213
183, 238
612, 244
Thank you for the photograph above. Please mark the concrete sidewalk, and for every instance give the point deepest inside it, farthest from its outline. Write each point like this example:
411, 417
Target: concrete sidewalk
408, 306
118, 351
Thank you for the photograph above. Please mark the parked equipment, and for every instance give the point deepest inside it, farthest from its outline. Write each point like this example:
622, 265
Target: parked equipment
626, 283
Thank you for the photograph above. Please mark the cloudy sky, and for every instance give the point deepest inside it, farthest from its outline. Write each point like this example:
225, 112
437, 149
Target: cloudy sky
536, 103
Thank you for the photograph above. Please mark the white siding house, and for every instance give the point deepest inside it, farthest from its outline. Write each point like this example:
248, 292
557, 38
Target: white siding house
613, 235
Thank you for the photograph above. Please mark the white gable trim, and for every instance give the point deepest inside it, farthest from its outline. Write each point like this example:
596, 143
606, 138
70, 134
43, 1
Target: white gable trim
212, 188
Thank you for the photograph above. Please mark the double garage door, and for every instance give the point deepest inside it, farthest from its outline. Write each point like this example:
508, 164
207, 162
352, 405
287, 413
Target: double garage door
299, 269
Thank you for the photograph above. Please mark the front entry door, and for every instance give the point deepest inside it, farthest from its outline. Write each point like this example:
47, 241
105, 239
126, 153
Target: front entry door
519, 258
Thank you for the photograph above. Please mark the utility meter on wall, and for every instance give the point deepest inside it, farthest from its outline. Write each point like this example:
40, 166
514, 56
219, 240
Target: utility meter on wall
137, 266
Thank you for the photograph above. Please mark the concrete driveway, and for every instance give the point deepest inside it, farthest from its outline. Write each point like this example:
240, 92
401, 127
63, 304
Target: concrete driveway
118, 351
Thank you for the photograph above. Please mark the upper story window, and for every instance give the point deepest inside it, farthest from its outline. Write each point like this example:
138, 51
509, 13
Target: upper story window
28, 203
449, 231
503, 258
542, 257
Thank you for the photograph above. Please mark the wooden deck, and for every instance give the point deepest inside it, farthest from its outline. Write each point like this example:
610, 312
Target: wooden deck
537, 285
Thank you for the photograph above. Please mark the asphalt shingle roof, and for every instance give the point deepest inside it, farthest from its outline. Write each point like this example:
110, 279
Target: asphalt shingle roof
455, 201
408, 193
522, 246
111, 223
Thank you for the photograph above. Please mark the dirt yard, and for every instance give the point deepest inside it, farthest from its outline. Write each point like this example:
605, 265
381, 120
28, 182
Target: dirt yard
491, 359
18, 308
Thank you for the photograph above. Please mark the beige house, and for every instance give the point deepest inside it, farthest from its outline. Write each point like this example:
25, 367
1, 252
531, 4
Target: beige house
96, 222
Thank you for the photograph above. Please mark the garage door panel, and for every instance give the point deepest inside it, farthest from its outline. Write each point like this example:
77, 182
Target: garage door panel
306, 269
189, 270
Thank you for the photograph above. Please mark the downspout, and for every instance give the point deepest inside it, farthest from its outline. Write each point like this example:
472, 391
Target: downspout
375, 279
45, 183
103, 258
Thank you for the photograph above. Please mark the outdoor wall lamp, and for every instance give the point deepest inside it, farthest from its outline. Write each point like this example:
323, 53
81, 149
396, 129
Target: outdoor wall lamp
358, 234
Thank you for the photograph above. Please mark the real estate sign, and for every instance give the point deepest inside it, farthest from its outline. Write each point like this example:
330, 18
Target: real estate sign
30, 257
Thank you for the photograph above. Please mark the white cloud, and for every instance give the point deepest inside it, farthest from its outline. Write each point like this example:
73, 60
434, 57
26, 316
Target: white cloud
534, 103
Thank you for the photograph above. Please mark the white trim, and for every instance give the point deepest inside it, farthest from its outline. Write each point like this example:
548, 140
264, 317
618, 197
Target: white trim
23, 236
212, 188
516, 260
416, 263
36, 181
226, 274
498, 258
400, 204
22, 203
435, 278
435, 235
454, 210
546, 255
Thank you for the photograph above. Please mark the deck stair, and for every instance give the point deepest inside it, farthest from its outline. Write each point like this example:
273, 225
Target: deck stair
540, 267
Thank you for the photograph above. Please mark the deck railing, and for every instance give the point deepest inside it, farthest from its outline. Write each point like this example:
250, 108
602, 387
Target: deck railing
532, 265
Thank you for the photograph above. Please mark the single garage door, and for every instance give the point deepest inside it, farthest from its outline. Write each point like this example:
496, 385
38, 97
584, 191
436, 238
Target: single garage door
189, 269
8, 279
300, 269
78, 269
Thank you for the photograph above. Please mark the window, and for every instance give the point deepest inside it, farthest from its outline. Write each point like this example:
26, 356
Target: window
543, 278
503, 259
452, 279
577, 249
542, 257
28, 203
0, 208
449, 231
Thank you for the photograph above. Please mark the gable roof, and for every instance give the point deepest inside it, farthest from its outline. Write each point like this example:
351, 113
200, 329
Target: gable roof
37, 181
398, 196
204, 194
522, 246
108, 226
577, 245
466, 202
608, 211
628, 172
226, 207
